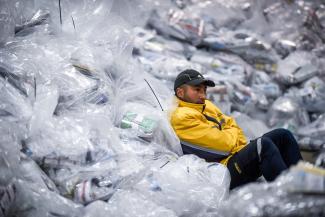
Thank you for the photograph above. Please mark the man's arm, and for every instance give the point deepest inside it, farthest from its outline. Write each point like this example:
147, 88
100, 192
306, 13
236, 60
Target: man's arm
195, 130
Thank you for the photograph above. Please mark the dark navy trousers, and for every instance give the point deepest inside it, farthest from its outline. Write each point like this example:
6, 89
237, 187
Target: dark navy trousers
278, 151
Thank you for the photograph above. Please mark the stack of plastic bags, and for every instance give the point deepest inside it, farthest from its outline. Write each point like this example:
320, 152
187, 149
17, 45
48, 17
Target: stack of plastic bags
86, 88
83, 123
263, 55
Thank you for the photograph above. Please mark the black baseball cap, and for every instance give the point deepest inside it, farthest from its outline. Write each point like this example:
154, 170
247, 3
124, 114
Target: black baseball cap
191, 77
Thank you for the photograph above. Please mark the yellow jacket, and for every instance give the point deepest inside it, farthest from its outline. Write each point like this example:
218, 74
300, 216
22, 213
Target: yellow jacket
191, 124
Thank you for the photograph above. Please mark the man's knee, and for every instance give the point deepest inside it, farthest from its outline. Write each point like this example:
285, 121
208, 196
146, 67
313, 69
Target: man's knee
268, 147
284, 132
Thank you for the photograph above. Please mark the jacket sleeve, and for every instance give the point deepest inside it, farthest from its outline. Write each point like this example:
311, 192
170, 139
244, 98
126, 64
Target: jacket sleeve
192, 128
231, 123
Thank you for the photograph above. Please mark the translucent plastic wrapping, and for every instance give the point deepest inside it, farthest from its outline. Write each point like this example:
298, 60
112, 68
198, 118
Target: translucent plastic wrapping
28, 170
40, 17
7, 197
17, 74
51, 140
312, 95
167, 187
243, 98
246, 45
9, 155
286, 112
148, 42
187, 186
312, 134
262, 82
7, 22
84, 98
137, 205
14, 103
177, 24
44, 106
220, 13
303, 178
252, 128
320, 160
164, 67
223, 66
137, 108
297, 67
270, 16
28, 192
278, 198
263, 200
63, 146
31, 200
148, 126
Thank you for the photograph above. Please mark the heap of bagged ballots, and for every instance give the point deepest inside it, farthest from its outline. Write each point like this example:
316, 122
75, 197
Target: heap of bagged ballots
86, 87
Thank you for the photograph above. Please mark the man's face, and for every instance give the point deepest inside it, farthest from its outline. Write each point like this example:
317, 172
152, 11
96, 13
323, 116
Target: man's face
193, 94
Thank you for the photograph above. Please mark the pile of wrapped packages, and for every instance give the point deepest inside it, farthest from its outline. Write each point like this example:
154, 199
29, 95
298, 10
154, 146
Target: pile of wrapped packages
86, 87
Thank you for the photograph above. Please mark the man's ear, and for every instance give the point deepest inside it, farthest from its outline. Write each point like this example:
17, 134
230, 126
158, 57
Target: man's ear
180, 92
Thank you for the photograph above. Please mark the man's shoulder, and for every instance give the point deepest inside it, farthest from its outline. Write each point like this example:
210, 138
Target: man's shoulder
210, 106
181, 113
208, 103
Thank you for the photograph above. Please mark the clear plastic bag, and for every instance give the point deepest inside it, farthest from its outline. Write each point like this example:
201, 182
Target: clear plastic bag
16, 75
31, 200
187, 186
9, 153
147, 42
13, 103
303, 178
320, 160
312, 134
165, 67
264, 83
299, 66
178, 24
312, 95
286, 112
7, 20
7, 197
148, 126
29, 170
138, 205
246, 45
39, 18
286, 196
252, 128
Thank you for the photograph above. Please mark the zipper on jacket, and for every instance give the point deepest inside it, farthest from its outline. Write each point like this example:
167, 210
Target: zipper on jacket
214, 120
203, 108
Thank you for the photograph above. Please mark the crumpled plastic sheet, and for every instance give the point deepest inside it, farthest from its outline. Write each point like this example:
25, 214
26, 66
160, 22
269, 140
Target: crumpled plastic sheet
20, 179
263, 200
312, 95
297, 192
137, 205
312, 134
177, 24
320, 160
297, 67
252, 128
197, 186
285, 108
7, 23
139, 118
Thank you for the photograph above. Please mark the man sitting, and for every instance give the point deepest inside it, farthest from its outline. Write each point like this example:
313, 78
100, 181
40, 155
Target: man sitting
208, 133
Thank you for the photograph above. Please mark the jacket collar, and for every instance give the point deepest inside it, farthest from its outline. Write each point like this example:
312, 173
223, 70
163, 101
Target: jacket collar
198, 107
